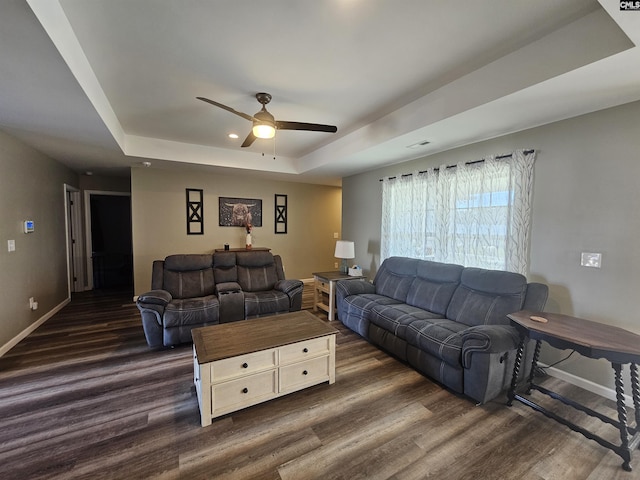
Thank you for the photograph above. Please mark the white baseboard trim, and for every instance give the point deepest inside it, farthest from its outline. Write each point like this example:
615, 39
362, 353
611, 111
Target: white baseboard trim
23, 334
588, 385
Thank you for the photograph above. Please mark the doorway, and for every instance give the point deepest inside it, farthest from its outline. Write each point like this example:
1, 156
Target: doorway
109, 239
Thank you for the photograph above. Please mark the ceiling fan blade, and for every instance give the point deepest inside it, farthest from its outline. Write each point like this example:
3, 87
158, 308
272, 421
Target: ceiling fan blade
249, 140
313, 127
228, 109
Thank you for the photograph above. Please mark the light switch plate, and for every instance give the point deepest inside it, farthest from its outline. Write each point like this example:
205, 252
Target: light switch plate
11, 245
588, 259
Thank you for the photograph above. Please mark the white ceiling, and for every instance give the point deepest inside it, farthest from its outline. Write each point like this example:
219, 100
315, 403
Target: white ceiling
103, 85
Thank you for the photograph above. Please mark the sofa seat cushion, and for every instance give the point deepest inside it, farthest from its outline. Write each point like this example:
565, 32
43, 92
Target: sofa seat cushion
366, 302
396, 318
357, 310
192, 311
258, 304
439, 337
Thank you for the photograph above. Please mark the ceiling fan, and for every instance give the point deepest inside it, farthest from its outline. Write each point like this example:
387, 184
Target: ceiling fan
265, 125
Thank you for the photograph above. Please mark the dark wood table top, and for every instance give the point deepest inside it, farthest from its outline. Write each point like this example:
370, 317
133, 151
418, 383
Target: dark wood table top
334, 275
246, 336
244, 249
588, 338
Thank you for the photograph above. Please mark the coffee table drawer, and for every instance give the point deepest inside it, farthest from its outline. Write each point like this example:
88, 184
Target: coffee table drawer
302, 374
240, 393
243, 365
303, 350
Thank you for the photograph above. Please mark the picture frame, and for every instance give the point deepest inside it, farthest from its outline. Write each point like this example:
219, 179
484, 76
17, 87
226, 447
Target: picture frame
237, 211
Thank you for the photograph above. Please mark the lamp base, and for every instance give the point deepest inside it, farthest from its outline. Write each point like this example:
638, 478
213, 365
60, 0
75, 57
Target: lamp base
344, 266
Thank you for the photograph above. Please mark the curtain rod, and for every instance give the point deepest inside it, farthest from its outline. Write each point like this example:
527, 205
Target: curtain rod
499, 157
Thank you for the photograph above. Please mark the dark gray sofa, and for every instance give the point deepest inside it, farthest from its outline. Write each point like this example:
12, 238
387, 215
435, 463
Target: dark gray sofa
447, 321
195, 290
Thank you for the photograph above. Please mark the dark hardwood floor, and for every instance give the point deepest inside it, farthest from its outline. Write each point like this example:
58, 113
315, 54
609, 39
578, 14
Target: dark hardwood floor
84, 397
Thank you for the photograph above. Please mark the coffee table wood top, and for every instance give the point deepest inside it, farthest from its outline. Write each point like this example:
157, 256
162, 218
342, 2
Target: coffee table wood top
247, 336
590, 339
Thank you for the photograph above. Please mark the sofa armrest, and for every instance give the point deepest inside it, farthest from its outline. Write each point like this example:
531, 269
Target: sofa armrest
488, 357
488, 339
290, 287
228, 287
344, 288
293, 289
151, 305
154, 297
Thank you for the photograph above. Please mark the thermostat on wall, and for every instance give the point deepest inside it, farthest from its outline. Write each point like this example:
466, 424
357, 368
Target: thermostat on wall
28, 226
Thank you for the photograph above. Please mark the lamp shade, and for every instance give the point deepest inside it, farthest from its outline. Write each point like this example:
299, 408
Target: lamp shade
345, 249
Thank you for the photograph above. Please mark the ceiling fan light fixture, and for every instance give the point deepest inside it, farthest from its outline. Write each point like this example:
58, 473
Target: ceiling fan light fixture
264, 125
264, 130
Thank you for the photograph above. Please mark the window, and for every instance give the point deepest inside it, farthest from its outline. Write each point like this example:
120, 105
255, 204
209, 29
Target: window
475, 214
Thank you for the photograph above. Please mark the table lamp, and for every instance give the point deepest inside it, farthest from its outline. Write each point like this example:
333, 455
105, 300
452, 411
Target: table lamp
344, 250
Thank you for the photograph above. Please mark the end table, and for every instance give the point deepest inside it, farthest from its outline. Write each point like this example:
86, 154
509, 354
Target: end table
325, 282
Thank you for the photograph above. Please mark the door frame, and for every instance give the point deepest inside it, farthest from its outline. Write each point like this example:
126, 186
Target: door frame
87, 223
74, 244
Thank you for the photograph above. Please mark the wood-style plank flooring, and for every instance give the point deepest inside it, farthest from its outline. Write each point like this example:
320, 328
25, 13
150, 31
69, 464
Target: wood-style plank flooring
83, 397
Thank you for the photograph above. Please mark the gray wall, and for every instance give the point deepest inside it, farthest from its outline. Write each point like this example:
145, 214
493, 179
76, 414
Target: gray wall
31, 188
586, 199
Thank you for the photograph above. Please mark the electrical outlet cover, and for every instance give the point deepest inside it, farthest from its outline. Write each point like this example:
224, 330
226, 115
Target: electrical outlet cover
588, 259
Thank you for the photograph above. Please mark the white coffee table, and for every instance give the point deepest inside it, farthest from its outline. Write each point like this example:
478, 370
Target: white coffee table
240, 364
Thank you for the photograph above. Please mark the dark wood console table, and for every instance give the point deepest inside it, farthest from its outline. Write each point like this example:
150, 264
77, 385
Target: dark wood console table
592, 340
242, 249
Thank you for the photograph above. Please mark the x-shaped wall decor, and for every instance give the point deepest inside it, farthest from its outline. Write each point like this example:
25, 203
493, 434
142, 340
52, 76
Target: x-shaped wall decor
281, 213
195, 212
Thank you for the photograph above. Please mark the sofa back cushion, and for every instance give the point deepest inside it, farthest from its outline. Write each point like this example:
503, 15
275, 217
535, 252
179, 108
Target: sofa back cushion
224, 267
485, 297
257, 271
395, 276
433, 286
188, 276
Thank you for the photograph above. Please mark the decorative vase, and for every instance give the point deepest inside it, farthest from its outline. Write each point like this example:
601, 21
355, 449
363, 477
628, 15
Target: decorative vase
248, 242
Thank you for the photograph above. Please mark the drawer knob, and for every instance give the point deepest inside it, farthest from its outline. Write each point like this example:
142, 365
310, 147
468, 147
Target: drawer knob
304, 372
245, 365
245, 390
305, 350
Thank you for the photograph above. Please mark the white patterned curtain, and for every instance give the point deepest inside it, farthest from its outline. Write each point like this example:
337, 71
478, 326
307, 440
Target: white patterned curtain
474, 214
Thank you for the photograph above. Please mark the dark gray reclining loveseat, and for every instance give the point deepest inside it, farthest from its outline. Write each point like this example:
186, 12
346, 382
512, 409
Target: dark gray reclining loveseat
448, 322
196, 290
